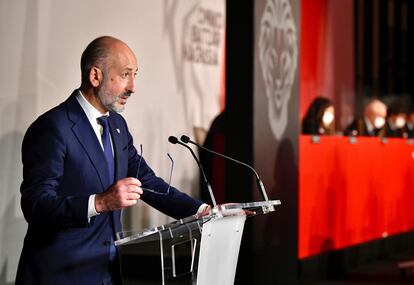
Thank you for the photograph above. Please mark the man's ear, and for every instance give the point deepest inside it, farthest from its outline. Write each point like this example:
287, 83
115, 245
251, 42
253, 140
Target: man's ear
95, 76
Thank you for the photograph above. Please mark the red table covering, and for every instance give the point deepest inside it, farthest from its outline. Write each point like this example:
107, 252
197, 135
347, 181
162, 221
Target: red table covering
351, 193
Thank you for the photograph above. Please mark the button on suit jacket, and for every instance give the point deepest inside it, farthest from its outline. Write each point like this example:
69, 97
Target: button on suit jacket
63, 164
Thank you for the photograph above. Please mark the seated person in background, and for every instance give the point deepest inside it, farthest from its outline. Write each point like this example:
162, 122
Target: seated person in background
319, 119
371, 122
396, 116
409, 126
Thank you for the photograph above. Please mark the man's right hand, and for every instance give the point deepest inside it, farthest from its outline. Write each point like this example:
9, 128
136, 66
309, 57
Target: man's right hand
124, 193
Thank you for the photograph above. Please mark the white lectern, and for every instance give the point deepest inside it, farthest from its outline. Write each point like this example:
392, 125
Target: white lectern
200, 250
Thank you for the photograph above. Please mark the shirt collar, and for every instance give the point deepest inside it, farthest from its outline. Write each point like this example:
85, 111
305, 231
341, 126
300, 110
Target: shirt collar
370, 127
91, 112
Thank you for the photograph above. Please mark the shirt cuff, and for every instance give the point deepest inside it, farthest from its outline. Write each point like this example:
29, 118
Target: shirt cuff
91, 207
202, 208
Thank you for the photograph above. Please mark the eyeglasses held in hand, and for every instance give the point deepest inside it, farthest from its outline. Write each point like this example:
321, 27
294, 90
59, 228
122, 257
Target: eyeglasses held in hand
166, 192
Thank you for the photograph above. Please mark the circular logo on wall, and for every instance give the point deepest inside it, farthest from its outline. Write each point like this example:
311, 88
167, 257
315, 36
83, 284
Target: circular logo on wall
278, 55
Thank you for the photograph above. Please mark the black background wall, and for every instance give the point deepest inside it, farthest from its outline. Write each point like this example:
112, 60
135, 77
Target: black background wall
269, 247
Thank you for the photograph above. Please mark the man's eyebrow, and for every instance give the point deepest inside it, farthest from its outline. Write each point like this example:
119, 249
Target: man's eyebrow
131, 69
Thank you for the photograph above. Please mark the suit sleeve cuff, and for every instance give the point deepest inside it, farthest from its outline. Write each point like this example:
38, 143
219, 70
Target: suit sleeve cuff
91, 207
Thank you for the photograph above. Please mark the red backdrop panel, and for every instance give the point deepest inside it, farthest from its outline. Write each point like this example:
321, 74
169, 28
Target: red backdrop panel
327, 56
353, 193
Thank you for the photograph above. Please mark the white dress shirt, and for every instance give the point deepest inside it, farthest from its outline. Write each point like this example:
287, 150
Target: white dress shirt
92, 114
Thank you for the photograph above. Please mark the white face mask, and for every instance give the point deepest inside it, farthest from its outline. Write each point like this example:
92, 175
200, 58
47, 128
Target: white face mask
327, 118
400, 122
379, 122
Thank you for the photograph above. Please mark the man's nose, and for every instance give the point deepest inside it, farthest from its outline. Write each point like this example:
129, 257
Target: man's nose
132, 85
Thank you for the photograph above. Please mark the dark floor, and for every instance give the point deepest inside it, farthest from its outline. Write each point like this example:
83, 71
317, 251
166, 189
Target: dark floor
382, 272
375, 262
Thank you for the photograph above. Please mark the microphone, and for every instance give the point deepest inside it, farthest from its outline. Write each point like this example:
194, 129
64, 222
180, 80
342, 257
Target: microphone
259, 182
174, 140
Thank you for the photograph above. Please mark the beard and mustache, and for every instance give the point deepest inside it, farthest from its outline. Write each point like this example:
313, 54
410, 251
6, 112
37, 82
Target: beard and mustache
110, 100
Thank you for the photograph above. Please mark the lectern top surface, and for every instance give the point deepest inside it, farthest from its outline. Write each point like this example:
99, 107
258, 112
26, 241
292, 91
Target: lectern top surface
196, 222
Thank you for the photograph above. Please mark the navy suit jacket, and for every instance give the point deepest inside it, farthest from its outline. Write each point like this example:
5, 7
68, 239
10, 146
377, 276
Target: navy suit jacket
63, 164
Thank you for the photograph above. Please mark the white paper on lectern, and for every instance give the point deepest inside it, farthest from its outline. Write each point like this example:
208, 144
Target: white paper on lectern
219, 251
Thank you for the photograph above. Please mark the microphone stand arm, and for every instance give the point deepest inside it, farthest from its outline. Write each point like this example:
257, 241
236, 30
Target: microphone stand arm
258, 181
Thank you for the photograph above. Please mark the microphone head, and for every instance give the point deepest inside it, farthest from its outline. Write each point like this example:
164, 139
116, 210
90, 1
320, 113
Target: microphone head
185, 139
173, 140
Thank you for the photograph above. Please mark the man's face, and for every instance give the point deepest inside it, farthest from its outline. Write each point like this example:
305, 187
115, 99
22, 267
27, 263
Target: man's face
399, 120
118, 80
376, 111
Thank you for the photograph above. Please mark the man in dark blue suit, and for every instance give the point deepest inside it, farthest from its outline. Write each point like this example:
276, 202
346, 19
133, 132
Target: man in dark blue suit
80, 168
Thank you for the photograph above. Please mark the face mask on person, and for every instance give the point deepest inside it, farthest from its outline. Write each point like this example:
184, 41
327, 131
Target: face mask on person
327, 118
379, 122
399, 122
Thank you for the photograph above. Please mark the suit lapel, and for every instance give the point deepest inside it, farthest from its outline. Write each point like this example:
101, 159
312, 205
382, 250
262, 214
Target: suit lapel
83, 131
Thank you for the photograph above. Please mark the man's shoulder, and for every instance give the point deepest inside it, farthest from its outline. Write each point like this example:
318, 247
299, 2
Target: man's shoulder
57, 114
